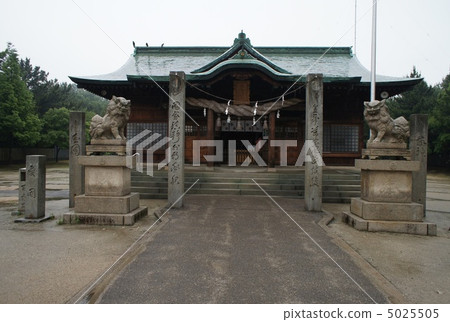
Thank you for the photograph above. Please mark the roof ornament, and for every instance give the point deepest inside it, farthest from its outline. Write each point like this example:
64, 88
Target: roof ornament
242, 38
228, 105
256, 106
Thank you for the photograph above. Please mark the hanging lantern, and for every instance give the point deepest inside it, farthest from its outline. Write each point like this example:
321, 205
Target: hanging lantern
253, 124
282, 100
278, 114
204, 112
229, 119
239, 125
218, 123
228, 105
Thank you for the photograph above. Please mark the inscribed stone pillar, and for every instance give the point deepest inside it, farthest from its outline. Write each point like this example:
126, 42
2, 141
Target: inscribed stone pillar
177, 96
271, 153
210, 134
77, 147
35, 187
22, 189
418, 146
313, 135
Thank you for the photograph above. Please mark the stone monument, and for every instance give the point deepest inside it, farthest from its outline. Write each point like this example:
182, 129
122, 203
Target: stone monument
314, 133
34, 194
386, 178
107, 198
22, 194
77, 147
177, 94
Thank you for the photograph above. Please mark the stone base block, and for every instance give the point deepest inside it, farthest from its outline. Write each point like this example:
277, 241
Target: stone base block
107, 180
388, 211
354, 221
119, 149
108, 142
105, 219
106, 204
385, 145
405, 227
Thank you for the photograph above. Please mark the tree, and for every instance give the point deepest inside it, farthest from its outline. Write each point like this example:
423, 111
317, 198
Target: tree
419, 100
19, 123
49, 93
32, 76
440, 124
56, 125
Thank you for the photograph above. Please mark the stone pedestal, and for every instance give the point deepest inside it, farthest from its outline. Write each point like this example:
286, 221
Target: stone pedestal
108, 199
106, 146
386, 199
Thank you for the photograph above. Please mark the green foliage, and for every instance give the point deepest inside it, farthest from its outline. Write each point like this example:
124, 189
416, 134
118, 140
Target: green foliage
56, 125
31, 105
34, 77
19, 122
420, 99
50, 94
434, 101
440, 122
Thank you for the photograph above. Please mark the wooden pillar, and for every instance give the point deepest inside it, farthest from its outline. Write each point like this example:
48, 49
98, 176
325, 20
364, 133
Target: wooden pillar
418, 143
210, 134
271, 161
313, 142
177, 98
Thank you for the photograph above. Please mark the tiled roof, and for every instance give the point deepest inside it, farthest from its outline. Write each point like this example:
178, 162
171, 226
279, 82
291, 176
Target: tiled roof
282, 63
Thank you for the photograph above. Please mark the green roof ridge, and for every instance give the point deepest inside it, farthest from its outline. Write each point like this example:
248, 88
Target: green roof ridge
242, 45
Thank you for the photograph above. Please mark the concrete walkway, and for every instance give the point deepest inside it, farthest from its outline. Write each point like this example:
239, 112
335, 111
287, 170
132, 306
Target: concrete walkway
242, 250
221, 250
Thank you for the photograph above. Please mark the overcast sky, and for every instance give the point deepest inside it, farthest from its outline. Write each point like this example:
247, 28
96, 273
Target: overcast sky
90, 37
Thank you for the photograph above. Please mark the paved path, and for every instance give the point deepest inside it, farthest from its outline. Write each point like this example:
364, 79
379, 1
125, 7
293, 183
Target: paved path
241, 250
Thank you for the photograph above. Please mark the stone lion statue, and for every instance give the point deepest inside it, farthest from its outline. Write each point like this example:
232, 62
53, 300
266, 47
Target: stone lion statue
112, 125
382, 127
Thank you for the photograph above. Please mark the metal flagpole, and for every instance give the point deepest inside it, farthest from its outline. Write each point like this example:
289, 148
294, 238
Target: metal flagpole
374, 49
354, 42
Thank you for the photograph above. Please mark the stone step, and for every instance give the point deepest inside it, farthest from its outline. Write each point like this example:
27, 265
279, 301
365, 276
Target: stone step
300, 196
241, 174
337, 187
237, 183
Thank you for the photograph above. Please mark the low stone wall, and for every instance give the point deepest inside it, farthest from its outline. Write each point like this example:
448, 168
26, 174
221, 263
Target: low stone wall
19, 154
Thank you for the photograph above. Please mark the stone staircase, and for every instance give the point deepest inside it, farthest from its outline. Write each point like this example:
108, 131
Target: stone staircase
339, 185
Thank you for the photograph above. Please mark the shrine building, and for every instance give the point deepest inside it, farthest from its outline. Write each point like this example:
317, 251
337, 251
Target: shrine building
249, 93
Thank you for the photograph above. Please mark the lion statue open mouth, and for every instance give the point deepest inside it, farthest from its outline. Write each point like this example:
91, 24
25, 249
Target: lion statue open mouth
112, 125
382, 127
